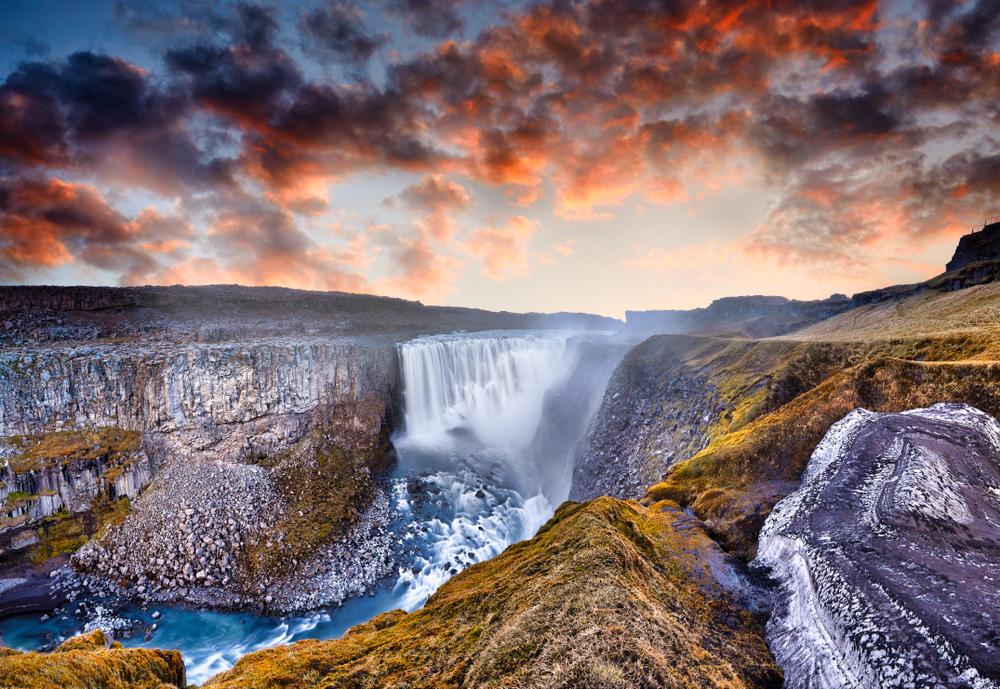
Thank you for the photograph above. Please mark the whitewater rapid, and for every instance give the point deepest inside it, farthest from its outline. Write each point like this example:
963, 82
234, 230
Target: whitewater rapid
467, 486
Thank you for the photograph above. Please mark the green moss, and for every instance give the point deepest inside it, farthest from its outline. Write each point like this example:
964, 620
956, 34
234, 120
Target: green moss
606, 592
63, 447
325, 488
59, 534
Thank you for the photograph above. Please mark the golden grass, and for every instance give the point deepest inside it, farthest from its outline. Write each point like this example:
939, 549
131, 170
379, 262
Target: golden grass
90, 662
974, 309
608, 594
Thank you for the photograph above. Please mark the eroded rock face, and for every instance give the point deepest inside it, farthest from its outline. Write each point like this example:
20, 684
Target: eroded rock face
655, 412
230, 400
888, 555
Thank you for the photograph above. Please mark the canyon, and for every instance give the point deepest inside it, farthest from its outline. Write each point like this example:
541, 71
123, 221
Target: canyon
267, 451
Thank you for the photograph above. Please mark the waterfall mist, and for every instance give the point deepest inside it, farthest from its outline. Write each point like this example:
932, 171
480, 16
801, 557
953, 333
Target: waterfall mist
472, 406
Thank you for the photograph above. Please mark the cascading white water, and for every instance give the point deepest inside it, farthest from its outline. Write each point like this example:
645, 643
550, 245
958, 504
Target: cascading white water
490, 384
472, 404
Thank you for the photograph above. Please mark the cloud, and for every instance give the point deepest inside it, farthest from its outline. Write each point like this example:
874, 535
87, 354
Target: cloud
96, 112
872, 132
261, 245
336, 30
430, 18
438, 198
45, 223
418, 271
503, 251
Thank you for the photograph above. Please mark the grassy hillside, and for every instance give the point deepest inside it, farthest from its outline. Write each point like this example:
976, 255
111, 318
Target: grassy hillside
608, 594
973, 309
92, 661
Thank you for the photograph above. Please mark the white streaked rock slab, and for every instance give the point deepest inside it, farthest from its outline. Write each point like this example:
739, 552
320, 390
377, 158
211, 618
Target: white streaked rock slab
889, 555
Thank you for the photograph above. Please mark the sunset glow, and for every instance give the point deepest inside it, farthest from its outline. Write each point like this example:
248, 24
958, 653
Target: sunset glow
580, 156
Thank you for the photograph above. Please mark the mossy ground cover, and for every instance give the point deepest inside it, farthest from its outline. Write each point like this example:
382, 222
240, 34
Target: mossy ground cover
783, 395
91, 662
325, 487
608, 594
66, 446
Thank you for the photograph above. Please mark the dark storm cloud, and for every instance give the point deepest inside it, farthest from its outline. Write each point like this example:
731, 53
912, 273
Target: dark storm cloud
92, 108
336, 30
430, 18
245, 79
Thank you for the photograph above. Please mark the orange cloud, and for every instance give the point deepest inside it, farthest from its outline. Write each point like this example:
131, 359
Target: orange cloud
264, 247
438, 197
565, 249
502, 250
418, 272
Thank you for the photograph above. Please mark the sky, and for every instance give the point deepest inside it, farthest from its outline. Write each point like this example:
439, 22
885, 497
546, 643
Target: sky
563, 155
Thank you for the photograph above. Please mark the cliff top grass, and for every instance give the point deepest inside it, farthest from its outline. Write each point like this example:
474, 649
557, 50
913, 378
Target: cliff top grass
75, 445
971, 310
607, 594
92, 661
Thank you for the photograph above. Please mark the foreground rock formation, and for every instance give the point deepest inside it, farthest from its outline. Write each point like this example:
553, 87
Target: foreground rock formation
608, 594
95, 662
888, 555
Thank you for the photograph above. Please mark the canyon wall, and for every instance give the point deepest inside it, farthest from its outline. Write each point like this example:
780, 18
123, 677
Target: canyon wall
234, 399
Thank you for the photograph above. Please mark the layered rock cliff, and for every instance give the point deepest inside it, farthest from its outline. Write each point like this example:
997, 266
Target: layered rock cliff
213, 413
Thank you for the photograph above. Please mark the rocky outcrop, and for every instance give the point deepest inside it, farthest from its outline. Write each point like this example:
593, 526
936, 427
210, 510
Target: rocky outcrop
887, 554
92, 660
607, 594
965, 276
655, 411
982, 244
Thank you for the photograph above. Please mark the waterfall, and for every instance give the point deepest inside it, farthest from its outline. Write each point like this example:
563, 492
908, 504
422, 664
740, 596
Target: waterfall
472, 405
468, 485
490, 385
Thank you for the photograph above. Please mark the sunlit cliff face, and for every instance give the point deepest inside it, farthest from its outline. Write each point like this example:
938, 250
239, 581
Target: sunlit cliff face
558, 155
